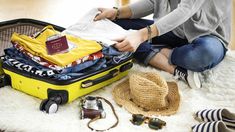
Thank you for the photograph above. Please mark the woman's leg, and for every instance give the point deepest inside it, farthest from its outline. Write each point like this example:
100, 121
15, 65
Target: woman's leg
161, 59
185, 61
202, 54
154, 54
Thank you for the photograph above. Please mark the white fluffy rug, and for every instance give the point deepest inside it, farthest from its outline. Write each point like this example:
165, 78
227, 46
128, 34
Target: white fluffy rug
20, 112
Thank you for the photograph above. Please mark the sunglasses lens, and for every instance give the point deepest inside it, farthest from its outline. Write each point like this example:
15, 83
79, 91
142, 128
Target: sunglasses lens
137, 119
156, 123
154, 127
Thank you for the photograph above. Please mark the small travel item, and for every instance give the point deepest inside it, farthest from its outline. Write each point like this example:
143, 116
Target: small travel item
153, 123
56, 44
92, 108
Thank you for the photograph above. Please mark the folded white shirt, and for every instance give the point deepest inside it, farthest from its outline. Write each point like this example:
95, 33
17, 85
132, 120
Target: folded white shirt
103, 30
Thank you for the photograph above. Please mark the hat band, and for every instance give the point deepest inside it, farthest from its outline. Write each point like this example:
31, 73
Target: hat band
150, 108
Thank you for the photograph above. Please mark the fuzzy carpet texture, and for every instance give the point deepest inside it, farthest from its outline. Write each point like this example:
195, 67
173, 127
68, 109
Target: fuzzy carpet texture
20, 112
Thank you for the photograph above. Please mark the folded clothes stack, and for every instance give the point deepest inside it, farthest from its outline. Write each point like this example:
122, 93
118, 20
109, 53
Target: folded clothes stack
30, 54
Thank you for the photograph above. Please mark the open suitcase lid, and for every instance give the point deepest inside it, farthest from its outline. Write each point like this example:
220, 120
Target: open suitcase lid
22, 26
29, 27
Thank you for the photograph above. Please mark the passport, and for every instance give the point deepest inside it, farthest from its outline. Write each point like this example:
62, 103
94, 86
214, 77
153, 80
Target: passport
56, 45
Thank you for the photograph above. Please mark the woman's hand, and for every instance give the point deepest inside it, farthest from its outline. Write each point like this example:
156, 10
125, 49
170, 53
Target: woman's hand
130, 43
108, 13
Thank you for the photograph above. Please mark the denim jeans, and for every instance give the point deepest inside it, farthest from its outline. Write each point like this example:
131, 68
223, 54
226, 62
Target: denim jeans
86, 68
203, 53
113, 56
15, 54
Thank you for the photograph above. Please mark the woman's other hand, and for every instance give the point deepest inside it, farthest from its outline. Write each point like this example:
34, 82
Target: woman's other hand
129, 43
108, 13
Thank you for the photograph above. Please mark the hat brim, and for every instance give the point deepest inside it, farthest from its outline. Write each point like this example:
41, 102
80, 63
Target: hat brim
121, 94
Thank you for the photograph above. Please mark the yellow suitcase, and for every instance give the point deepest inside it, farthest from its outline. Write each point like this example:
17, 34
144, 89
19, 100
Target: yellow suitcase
53, 92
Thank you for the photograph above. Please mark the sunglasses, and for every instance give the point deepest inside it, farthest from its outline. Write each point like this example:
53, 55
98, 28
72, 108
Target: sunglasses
153, 123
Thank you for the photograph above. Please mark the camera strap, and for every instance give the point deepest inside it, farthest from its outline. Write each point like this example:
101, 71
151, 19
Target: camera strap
98, 117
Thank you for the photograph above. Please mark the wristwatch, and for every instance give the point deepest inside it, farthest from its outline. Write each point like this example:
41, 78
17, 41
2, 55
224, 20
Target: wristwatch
149, 34
118, 13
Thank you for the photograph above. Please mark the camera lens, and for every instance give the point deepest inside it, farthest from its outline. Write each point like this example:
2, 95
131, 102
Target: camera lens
90, 98
137, 119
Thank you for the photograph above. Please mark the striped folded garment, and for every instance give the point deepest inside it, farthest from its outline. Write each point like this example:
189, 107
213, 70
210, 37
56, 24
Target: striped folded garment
53, 66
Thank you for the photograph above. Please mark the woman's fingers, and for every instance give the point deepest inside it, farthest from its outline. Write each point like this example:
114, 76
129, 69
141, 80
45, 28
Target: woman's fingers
105, 13
124, 46
101, 9
120, 39
100, 15
121, 44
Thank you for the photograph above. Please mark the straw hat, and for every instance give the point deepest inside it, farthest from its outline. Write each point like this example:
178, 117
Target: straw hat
147, 94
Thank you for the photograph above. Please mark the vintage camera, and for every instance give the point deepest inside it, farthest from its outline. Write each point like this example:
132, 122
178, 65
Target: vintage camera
91, 107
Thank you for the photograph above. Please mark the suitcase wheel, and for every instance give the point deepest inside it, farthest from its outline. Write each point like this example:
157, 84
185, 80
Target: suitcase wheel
5, 80
42, 105
49, 106
2, 81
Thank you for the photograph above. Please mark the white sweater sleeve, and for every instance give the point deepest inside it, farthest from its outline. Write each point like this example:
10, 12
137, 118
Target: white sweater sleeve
141, 8
181, 14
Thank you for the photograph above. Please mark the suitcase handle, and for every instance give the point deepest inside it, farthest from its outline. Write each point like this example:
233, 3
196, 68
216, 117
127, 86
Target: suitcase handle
89, 83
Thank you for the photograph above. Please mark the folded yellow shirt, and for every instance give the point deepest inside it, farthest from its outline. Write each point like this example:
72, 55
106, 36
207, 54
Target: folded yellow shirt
37, 46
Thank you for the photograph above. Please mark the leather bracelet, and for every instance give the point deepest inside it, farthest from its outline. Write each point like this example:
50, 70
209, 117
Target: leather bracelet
118, 13
149, 34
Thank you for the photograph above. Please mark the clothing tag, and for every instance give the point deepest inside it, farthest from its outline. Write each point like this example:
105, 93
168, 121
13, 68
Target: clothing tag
56, 44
